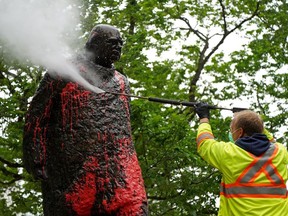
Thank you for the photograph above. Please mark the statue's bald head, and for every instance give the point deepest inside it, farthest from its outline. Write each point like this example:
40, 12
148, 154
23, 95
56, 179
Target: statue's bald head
100, 32
105, 43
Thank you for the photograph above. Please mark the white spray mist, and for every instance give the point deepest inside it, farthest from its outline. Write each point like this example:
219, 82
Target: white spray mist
43, 31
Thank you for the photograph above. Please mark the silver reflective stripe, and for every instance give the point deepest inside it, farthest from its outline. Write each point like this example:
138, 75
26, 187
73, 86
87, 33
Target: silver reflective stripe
203, 136
258, 165
272, 174
258, 190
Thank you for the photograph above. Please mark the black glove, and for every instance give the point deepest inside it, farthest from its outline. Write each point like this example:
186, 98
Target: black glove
202, 110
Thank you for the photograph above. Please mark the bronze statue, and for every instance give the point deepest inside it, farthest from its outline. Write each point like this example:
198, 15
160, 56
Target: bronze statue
79, 144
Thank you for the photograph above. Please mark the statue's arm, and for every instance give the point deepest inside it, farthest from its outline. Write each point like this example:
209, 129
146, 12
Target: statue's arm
35, 130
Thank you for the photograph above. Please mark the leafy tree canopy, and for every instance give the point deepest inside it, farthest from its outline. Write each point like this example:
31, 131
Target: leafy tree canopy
173, 49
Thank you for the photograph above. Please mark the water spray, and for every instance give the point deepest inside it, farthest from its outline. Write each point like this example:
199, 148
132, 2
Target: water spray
177, 102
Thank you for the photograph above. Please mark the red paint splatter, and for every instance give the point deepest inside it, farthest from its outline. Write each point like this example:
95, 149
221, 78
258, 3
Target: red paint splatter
127, 200
39, 140
121, 84
82, 197
72, 98
51, 86
47, 110
40, 133
123, 97
28, 126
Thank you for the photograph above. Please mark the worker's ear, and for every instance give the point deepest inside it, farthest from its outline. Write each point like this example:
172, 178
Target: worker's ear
241, 132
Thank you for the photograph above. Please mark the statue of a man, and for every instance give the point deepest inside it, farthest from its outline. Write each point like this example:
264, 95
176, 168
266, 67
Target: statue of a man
79, 144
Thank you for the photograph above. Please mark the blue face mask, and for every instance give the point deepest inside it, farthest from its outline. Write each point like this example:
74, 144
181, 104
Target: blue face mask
230, 135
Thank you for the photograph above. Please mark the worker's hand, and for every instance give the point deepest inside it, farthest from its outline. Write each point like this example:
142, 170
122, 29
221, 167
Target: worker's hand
202, 110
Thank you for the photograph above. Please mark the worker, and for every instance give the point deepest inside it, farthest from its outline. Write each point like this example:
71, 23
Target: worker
253, 165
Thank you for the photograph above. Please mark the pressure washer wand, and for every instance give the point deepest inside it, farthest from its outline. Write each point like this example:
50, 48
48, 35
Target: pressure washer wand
176, 102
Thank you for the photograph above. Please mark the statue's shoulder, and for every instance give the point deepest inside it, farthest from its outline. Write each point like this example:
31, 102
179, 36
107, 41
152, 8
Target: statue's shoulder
55, 78
122, 73
50, 82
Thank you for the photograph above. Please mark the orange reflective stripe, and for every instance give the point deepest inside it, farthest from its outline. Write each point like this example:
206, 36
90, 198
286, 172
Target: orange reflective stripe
259, 163
203, 136
264, 165
245, 186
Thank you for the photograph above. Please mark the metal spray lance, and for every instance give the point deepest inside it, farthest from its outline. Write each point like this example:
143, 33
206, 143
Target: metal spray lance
177, 102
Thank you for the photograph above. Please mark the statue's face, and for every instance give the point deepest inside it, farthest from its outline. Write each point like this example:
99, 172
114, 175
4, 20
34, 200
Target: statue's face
106, 45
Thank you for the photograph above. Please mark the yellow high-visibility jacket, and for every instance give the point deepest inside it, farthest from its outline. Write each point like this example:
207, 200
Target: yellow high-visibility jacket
250, 185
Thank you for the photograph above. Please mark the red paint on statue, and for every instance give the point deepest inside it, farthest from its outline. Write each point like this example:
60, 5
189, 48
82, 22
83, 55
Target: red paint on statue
123, 97
121, 85
127, 198
51, 84
72, 98
47, 110
122, 91
40, 131
39, 139
105, 137
28, 126
82, 197
131, 197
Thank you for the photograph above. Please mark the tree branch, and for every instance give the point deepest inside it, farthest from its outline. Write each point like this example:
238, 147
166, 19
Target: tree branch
205, 178
200, 66
15, 176
255, 13
132, 20
223, 16
200, 35
8, 73
10, 182
10, 164
182, 190
169, 210
203, 60
263, 110
226, 33
9, 84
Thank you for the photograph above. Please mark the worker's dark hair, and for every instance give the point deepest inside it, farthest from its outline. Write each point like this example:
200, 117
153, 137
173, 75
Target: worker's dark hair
249, 121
